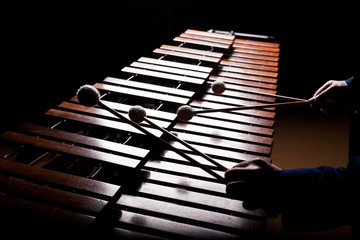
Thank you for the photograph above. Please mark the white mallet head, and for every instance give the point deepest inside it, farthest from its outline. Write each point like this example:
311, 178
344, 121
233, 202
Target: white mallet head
185, 113
88, 95
137, 114
218, 87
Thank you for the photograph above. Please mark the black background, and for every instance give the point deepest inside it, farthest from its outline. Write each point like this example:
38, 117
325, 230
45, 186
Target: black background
51, 48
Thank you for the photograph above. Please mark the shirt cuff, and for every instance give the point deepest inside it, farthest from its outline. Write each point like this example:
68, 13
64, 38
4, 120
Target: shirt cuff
350, 81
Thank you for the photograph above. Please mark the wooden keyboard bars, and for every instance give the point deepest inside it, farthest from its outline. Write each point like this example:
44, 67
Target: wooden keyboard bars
81, 170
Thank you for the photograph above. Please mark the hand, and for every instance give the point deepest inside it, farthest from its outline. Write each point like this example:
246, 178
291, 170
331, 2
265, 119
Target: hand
332, 97
253, 182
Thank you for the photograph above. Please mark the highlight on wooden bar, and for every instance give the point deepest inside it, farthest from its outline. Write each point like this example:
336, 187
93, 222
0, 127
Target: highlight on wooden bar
79, 167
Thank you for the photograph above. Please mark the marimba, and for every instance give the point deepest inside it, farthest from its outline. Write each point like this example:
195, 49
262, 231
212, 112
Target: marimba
81, 168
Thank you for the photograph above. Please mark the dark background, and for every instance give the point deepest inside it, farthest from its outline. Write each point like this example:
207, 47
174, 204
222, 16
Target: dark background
51, 48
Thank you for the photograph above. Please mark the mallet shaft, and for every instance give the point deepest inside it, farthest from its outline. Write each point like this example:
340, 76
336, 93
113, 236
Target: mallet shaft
181, 153
186, 144
245, 107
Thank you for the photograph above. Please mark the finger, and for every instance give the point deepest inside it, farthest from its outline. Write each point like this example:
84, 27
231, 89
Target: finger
238, 190
326, 96
242, 164
248, 170
325, 106
245, 170
241, 174
312, 100
251, 162
244, 190
320, 106
326, 111
323, 88
314, 105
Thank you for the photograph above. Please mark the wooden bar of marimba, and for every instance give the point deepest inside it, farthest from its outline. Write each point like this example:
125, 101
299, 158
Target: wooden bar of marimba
78, 167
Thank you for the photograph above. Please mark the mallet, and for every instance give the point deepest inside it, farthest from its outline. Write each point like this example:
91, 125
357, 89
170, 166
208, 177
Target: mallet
138, 114
89, 96
186, 113
218, 87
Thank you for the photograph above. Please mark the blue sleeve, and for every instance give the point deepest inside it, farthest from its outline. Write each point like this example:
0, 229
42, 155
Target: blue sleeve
354, 85
320, 198
353, 82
